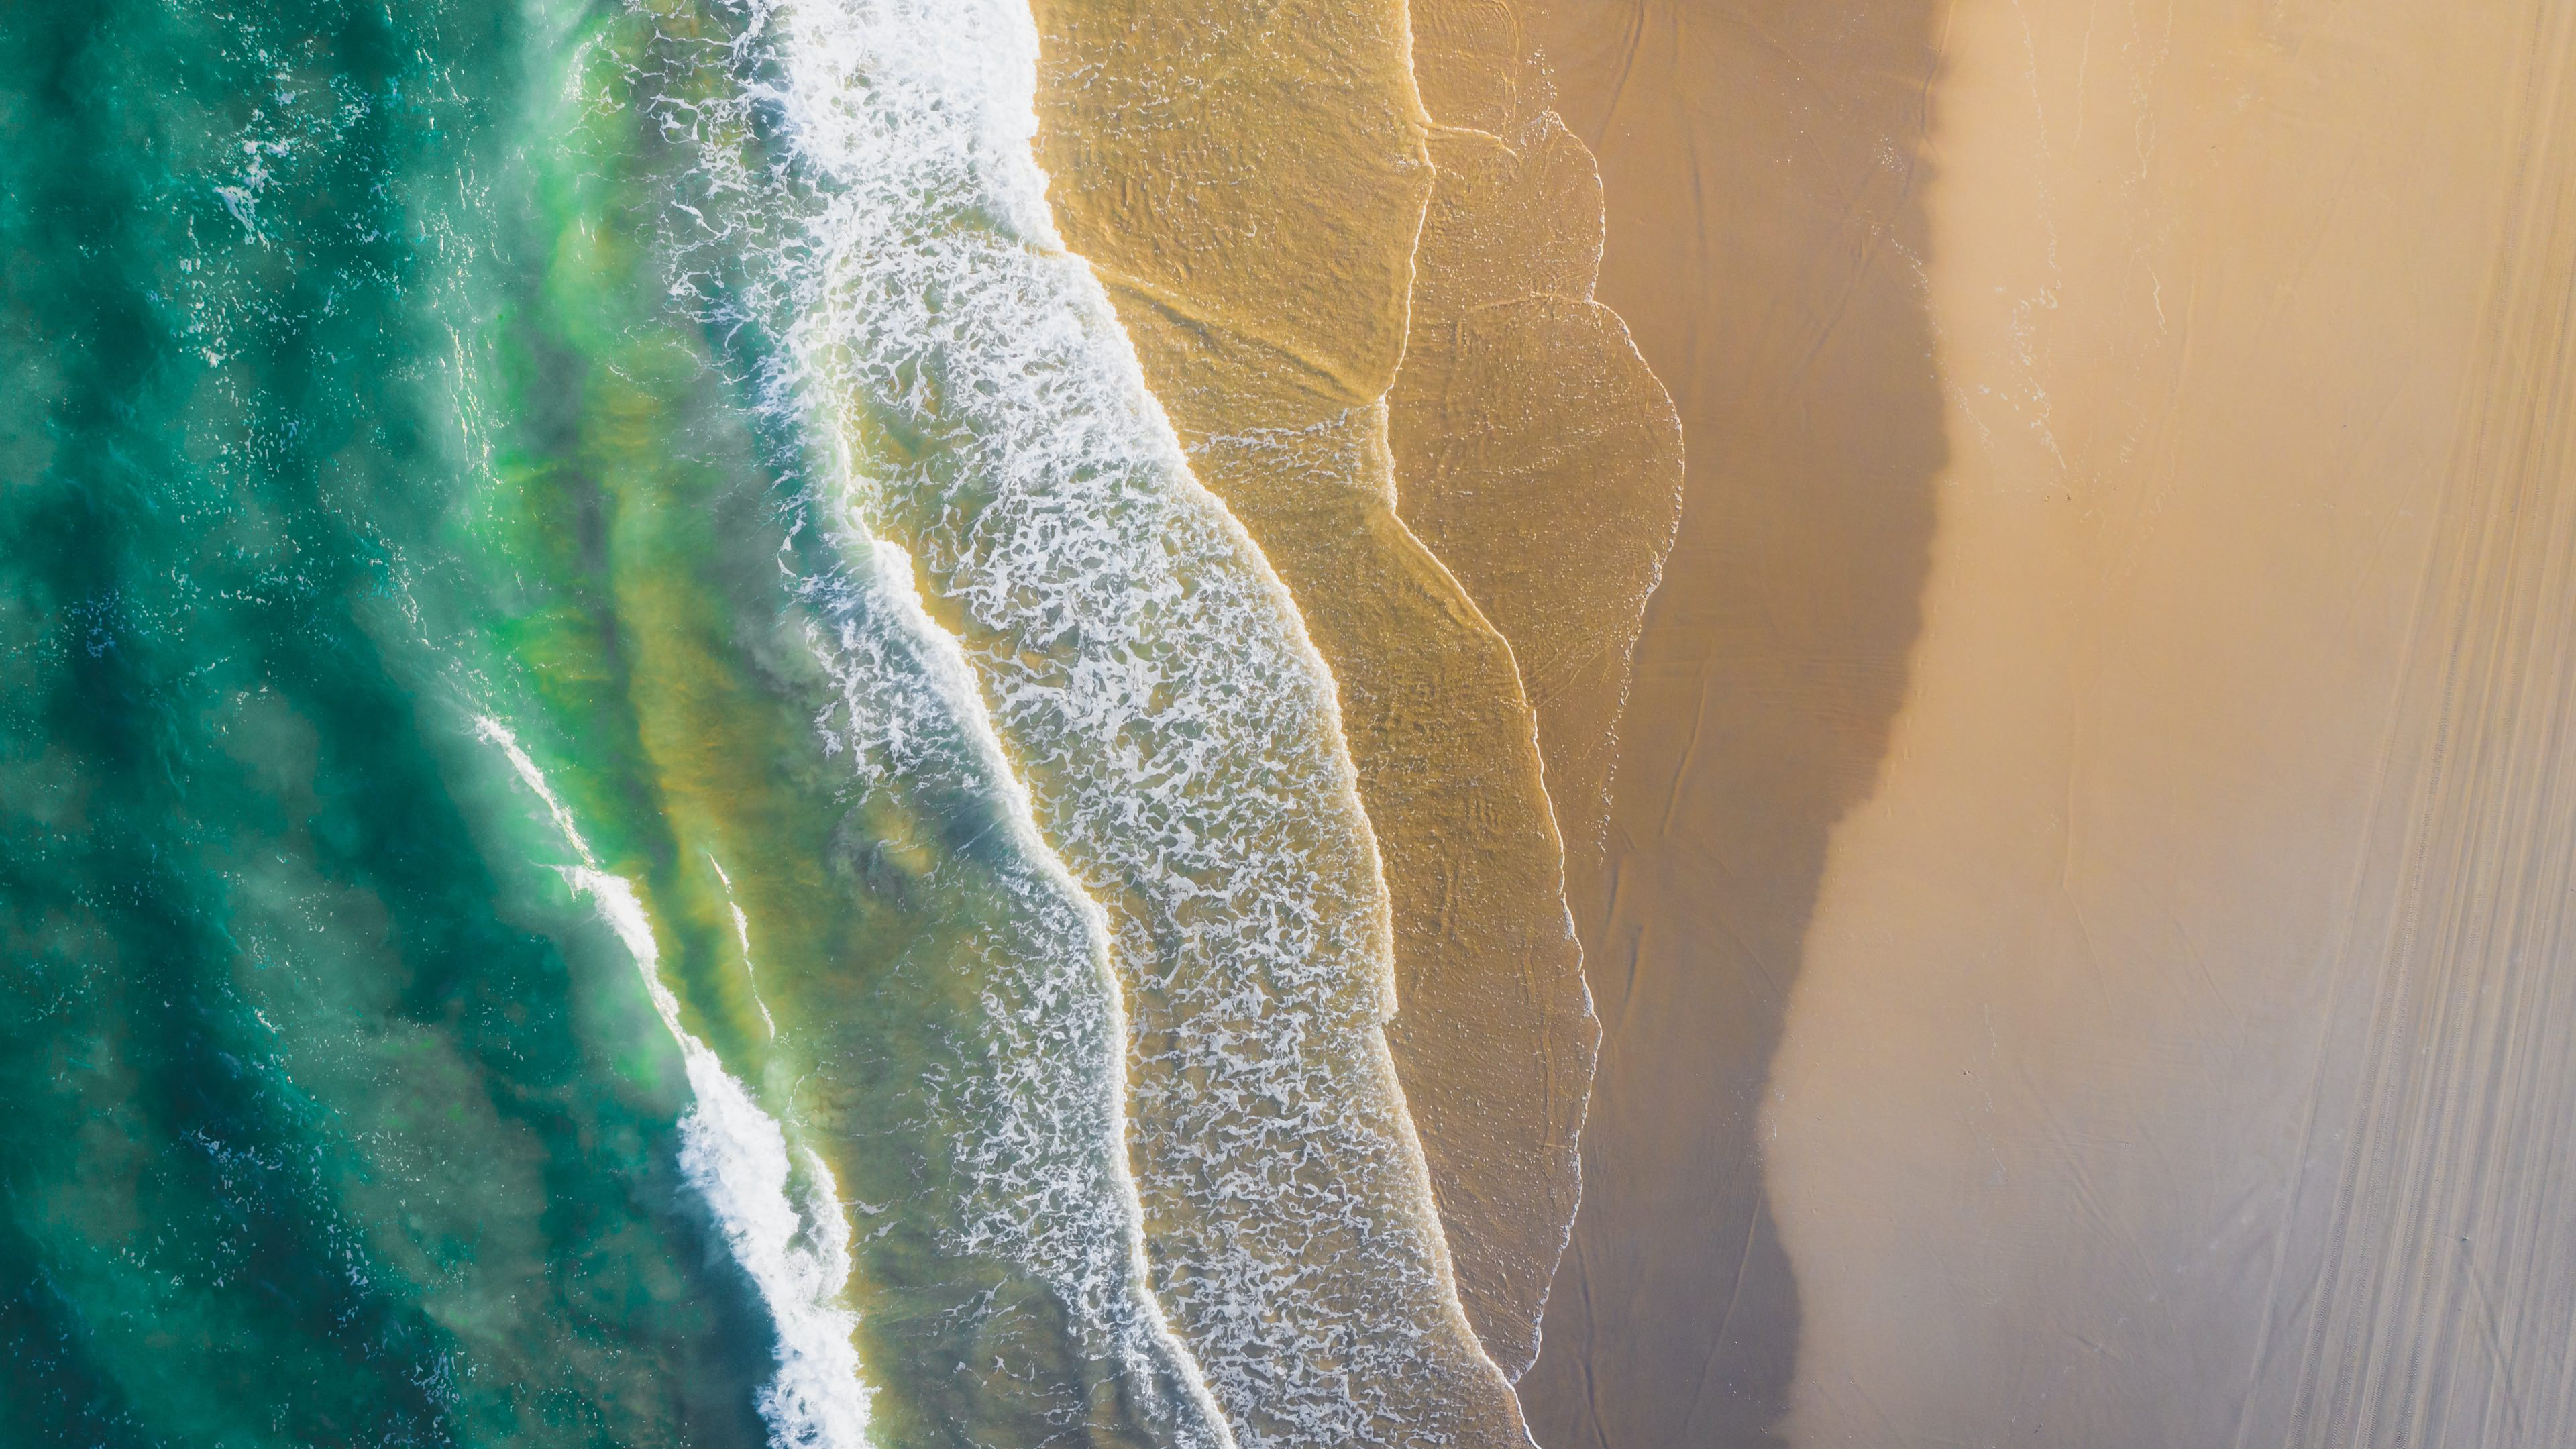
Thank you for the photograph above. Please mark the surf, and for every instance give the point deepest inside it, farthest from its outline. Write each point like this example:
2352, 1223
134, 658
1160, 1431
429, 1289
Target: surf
963, 392
736, 1157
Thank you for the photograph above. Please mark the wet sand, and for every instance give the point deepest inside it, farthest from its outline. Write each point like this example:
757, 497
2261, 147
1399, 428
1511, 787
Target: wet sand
1535, 453
1761, 164
1193, 151
2179, 1053
2084, 896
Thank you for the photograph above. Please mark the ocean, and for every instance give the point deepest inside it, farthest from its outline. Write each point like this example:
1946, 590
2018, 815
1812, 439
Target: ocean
644, 804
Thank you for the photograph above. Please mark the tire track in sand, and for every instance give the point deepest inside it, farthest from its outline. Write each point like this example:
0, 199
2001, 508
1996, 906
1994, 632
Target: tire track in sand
2441, 1305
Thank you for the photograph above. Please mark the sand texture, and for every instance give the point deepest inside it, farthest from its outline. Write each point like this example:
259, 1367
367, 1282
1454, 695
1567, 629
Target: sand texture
1249, 182
2180, 1055
1761, 165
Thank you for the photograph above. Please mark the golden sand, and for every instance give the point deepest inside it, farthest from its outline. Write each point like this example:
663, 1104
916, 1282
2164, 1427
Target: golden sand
1249, 181
2180, 1054
2153, 882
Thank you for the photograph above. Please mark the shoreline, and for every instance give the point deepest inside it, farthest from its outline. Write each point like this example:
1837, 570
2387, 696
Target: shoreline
1271, 344
1762, 170
1537, 457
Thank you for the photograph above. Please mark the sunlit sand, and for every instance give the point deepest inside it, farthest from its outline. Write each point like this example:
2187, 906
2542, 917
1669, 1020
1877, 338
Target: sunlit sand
2175, 1058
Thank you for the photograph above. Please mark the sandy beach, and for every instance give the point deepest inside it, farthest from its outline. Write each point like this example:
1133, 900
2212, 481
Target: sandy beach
1536, 453
2171, 1061
2068, 880
1289, 724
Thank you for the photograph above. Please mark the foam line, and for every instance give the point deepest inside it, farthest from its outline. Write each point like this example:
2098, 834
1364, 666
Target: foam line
909, 718
736, 1157
972, 397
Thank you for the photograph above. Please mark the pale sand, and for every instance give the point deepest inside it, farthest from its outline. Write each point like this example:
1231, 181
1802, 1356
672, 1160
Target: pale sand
1759, 163
2181, 1055
1249, 180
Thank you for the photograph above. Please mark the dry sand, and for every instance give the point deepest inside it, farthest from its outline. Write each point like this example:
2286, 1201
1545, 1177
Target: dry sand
1249, 179
2080, 926
2180, 1055
1759, 159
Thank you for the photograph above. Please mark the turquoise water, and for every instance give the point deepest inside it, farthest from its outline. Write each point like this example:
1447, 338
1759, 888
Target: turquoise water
639, 803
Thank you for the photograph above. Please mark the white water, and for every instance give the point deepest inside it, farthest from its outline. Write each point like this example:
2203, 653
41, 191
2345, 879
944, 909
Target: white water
742, 935
736, 1157
974, 398
1047, 1183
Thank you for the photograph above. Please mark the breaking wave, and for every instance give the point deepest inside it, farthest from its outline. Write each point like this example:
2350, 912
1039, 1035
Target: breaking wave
797, 1251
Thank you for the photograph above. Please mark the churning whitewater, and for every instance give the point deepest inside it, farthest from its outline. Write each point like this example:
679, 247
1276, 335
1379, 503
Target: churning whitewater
965, 393
736, 1156
1048, 1180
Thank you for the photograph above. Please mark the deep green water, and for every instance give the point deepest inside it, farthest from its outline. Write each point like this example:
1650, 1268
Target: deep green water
332, 1117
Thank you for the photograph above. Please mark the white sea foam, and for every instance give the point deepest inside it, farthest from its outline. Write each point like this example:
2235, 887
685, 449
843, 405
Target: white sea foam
742, 935
971, 395
736, 1156
1047, 1183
